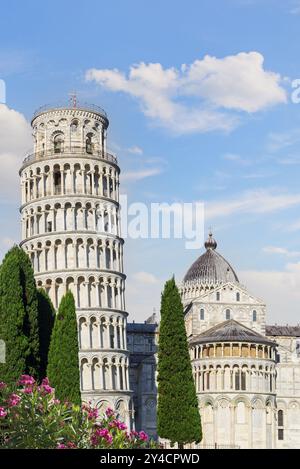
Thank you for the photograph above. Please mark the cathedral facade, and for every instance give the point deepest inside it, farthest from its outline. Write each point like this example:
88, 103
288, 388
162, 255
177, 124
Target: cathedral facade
246, 372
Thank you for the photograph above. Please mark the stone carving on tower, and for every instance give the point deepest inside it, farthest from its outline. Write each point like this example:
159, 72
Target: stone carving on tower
71, 231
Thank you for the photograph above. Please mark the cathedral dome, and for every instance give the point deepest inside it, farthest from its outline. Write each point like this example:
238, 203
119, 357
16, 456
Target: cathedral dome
211, 267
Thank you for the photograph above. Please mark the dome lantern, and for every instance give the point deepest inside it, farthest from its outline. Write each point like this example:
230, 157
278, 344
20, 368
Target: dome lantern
210, 268
210, 243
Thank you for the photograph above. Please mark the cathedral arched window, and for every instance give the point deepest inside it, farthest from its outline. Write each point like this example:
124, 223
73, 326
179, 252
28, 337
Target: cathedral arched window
254, 316
280, 422
207, 380
227, 314
237, 381
280, 418
243, 381
240, 413
201, 314
238, 296
218, 296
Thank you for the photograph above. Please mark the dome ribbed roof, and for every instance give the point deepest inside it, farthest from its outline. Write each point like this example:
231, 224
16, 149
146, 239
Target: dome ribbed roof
211, 267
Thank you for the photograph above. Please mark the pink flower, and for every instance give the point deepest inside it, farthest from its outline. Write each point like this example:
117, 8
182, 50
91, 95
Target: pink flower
3, 412
70, 444
26, 380
117, 424
28, 390
61, 446
109, 412
94, 440
45, 382
102, 432
143, 436
13, 400
92, 414
45, 387
121, 425
2, 385
56, 401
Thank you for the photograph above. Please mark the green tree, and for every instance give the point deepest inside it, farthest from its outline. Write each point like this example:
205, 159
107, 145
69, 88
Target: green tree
178, 413
30, 300
63, 362
46, 319
18, 316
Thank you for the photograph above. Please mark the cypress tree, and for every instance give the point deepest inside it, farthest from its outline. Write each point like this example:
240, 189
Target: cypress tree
63, 362
178, 414
18, 316
30, 300
46, 322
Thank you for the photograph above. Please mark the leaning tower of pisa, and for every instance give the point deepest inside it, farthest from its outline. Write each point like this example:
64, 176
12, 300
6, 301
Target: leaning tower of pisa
71, 231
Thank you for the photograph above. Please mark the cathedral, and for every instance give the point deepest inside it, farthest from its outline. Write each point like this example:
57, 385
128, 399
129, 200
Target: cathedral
247, 373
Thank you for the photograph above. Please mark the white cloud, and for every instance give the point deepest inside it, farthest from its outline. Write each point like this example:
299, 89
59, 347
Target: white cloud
257, 175
15, 140
295, 9
143, 291
258, 201
278, 141
234, 158
280, 250
279, 289
157, 160
289, 160
145, 278
135, 150
140, 174
295, 226
7, 242
234, 83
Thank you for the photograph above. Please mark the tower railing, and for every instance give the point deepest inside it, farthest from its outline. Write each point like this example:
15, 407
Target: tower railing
79, 106
75, 151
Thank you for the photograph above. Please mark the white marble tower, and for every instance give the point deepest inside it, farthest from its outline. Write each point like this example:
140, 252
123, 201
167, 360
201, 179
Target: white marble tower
71, 231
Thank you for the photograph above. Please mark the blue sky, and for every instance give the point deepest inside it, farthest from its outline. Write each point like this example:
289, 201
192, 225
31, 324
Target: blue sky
231, 141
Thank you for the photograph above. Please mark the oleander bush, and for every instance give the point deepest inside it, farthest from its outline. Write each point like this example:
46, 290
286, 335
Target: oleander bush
32, 417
